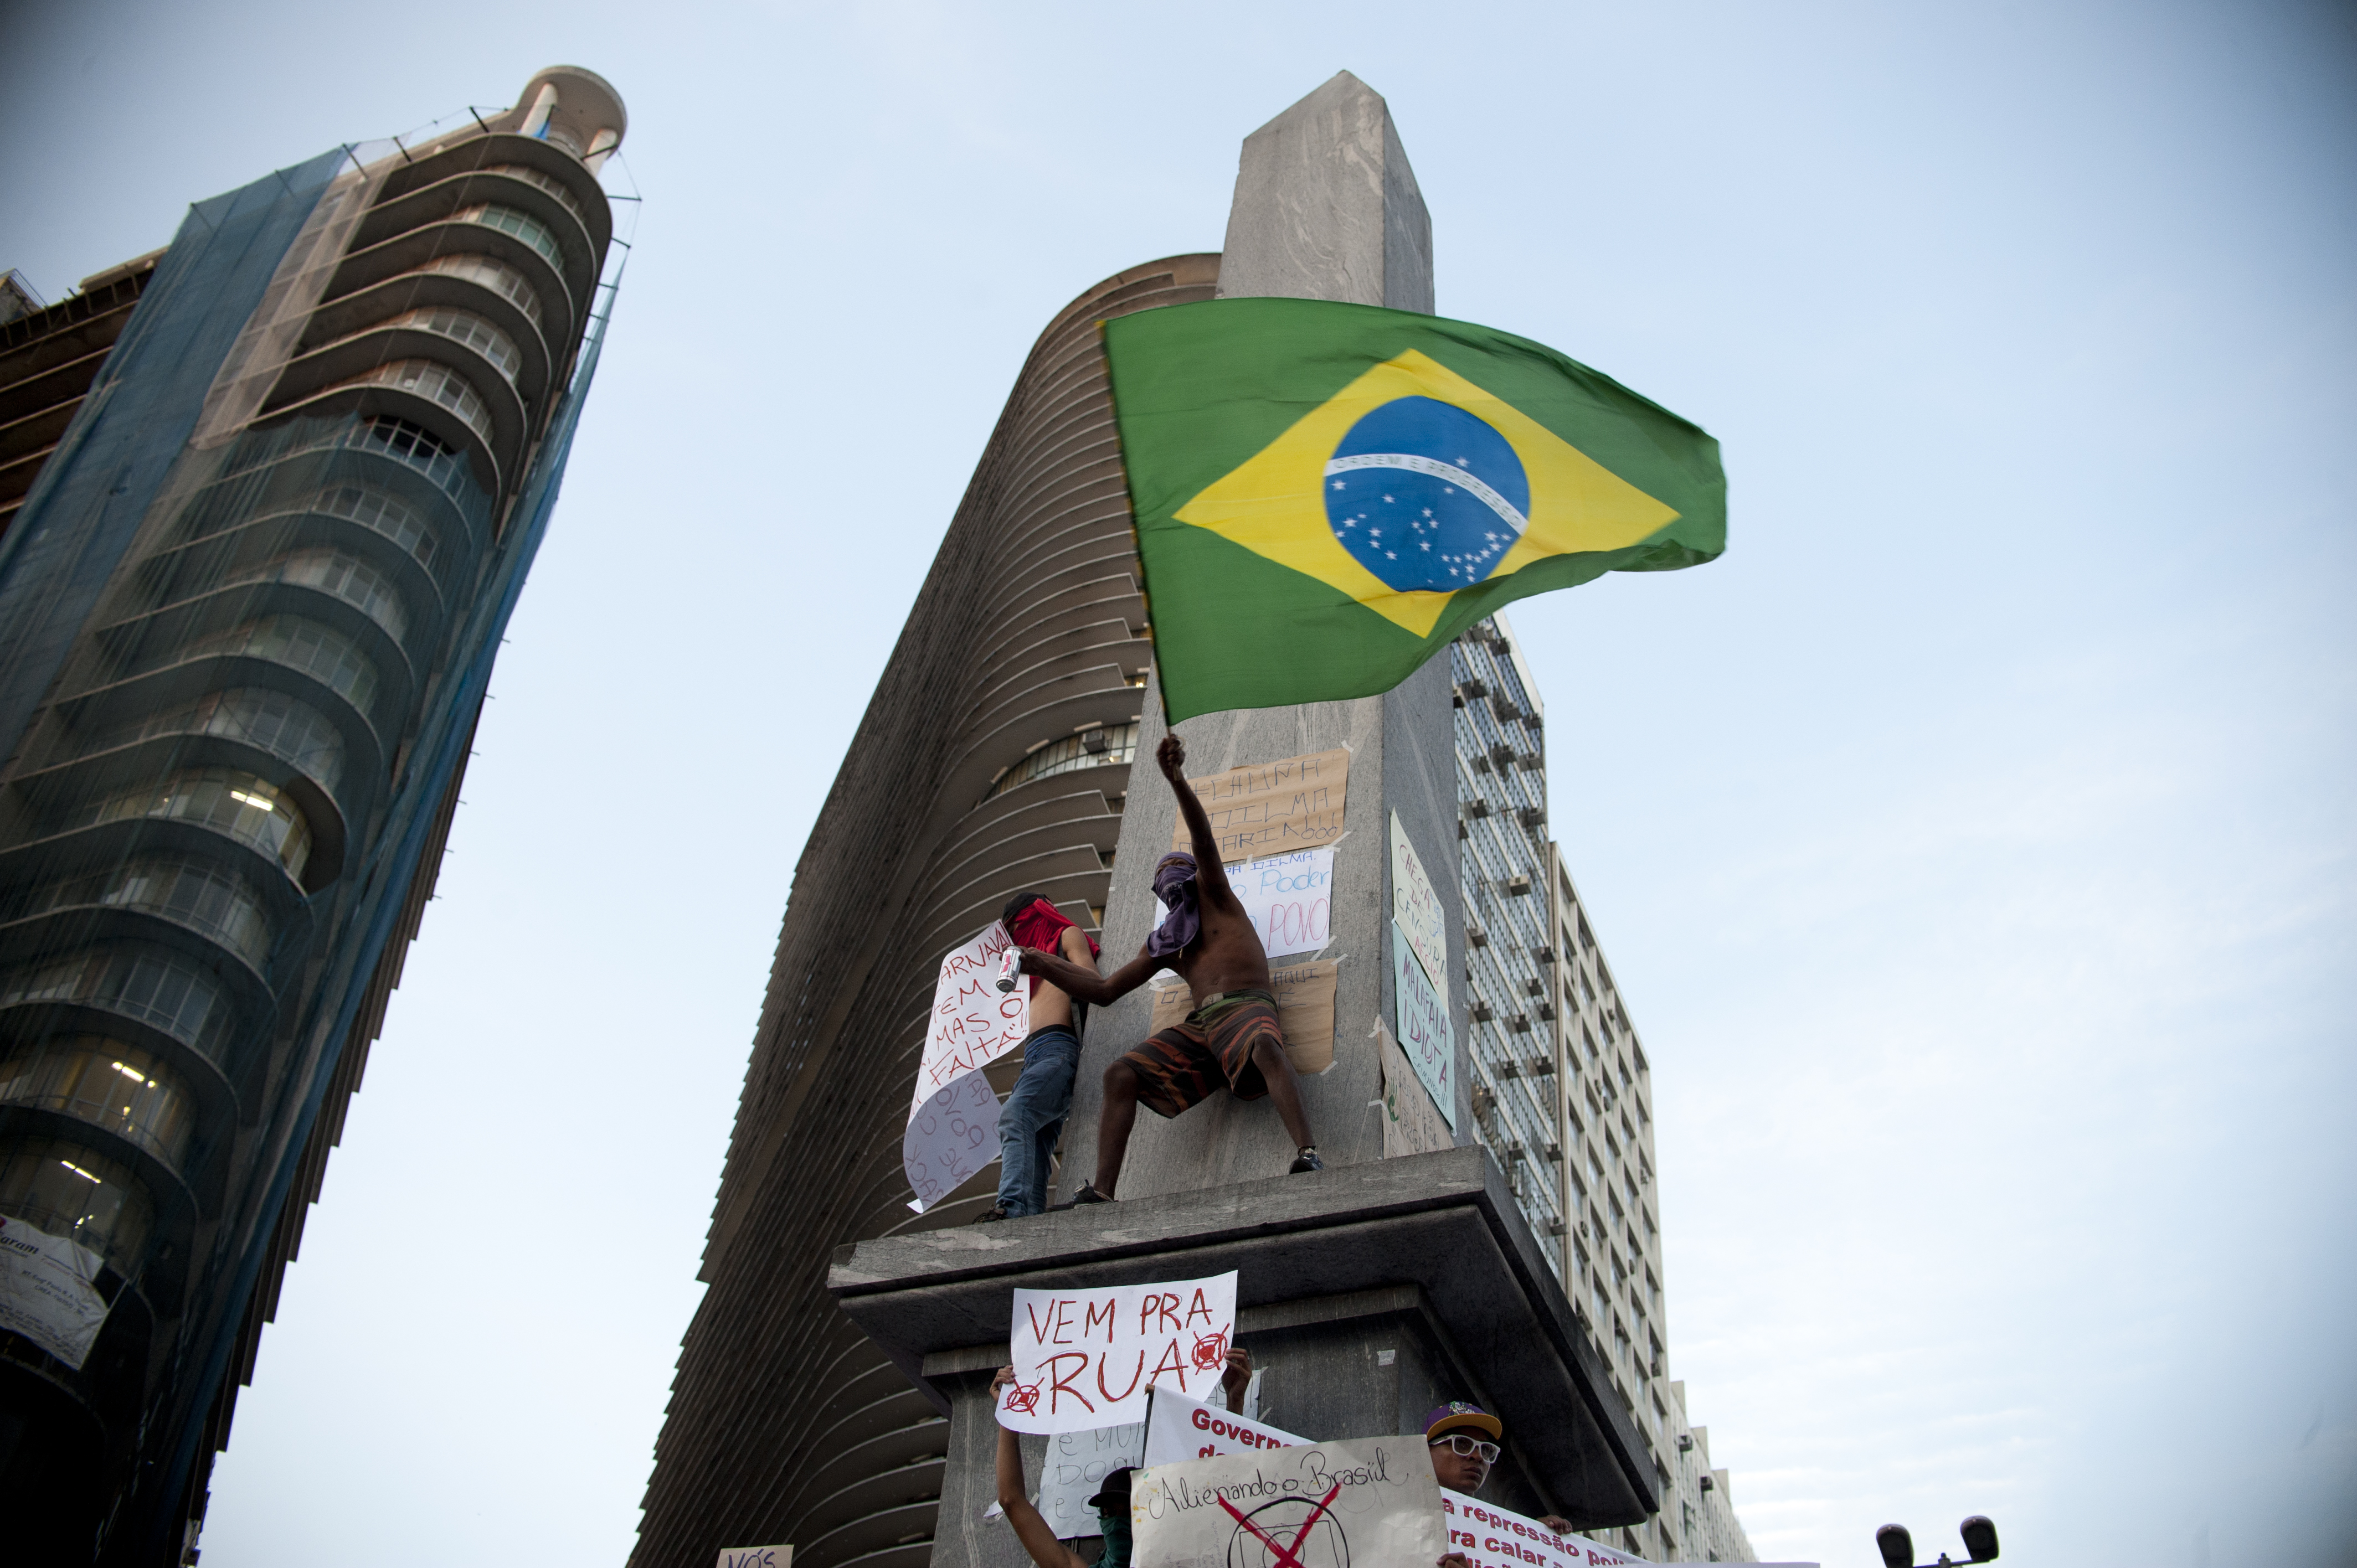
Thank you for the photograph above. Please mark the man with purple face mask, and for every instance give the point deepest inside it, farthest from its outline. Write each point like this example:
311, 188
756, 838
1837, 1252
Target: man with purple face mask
1231, 1039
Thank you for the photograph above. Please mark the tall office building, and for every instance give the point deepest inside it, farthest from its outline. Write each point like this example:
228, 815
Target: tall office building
270, 496
1562, 1091
994, 757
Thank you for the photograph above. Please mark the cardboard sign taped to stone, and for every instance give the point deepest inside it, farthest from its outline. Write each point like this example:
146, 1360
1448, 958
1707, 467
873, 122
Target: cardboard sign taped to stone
1367, 1502
1272, 808
1305, 1011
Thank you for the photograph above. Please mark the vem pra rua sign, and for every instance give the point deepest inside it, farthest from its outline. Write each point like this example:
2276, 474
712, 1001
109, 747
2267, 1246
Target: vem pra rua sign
1086, 1358
972, 1023
1178, 1429
1368, 1502
756, 1556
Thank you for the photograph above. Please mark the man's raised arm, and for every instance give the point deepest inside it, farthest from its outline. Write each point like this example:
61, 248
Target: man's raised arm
1211, 879
1082, 983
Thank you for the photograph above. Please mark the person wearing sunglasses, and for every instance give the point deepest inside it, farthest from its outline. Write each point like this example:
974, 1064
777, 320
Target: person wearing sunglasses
1464, 1443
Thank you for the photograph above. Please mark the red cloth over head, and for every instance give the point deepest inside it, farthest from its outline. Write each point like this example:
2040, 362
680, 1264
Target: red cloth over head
1041, 925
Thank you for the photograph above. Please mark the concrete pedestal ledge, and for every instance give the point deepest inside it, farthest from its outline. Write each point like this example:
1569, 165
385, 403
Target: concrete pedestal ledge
1370, 1292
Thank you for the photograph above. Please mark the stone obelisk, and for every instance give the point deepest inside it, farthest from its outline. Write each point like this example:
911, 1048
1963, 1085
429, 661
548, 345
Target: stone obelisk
1379, 1287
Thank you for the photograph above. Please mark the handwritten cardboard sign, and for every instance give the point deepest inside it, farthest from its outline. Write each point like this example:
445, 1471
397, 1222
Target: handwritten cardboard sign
1288, 897
972, 1022
949, 1139
1492, 1537
1273, 808
1086, 1358
1179, 1428
1304, 1012
1426, 1033
1369, 1502
1416, 908
1412, 1123
1076, 1466
756, 1556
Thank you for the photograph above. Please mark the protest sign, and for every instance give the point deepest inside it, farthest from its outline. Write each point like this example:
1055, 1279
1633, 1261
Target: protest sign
1425, 1034
972, 1022
1369, 1502
1289, 898
49, 1291
1492, 1537
953, 1135
1412, 1124
756, 1556
1076, 1464
1416, 908
1086, 1358
1304, 1012
1272, 808
1179, 1428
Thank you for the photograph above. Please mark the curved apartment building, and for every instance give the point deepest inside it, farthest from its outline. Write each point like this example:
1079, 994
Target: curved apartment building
251, 607
994, 757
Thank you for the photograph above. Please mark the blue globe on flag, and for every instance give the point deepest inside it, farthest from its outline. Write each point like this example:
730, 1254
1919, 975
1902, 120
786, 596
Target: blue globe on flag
1426, 495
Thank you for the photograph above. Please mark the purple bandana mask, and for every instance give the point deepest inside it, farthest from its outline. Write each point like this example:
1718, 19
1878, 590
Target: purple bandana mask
1174, 884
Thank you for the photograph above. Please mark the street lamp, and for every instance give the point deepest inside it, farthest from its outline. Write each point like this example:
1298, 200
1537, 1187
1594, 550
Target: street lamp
1897, 1547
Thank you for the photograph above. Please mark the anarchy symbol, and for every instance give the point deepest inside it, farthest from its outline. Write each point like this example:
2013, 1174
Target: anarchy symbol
1211, 1352
1023, 1398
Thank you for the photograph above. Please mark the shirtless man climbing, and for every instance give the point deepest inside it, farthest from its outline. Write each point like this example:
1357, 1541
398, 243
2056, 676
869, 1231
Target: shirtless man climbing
1232, 1037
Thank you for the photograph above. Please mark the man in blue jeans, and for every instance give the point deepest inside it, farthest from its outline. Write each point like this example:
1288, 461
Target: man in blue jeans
1034, 1114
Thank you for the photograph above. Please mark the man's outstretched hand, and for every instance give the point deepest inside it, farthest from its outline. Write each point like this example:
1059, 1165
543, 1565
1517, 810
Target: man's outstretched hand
1172, 755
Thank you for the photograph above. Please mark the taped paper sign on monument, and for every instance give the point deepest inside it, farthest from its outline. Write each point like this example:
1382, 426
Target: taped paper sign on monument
49, 1291
1416, 908
1304, 1012
972, 1023
1412, 1124
1086, 1358
1492, 1537
1289, 898
1272, 808
1370, 1502
1178, 1429
1426, 1033
949, 1139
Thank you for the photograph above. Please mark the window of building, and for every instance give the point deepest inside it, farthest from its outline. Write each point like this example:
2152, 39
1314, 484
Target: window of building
205, 898
107, 1083
549, 182
437, 383
326, 655
163, 990
291, 731
1104, 747
522, 225
227, 799
68, 1189
496, 275
469, 330
349, 579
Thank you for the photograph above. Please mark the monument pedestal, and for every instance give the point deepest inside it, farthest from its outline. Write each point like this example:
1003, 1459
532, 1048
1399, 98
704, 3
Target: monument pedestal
1370, 1293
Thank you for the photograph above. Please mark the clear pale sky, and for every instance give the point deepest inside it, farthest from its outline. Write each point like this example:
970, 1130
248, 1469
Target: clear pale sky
1965, 840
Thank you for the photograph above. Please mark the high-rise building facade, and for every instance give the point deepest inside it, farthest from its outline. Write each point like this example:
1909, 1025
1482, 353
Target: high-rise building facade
995, 756
274, 492
1562, 1090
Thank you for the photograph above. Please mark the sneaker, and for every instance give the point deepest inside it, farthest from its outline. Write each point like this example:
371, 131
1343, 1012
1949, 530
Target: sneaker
988, 1215
1307, 1160
1083, 1194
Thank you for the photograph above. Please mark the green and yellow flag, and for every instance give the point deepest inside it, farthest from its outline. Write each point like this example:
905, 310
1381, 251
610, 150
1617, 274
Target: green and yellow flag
1327, 493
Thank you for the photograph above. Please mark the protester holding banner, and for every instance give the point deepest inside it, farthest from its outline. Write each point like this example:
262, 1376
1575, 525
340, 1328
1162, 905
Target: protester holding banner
1039, 1539
1231, 1039
1034, 1110
1462, 1460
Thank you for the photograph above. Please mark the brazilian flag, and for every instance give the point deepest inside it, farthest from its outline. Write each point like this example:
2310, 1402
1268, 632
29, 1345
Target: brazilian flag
1327, 493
